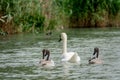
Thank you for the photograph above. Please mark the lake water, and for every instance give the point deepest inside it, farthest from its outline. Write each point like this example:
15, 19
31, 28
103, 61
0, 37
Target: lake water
20, 55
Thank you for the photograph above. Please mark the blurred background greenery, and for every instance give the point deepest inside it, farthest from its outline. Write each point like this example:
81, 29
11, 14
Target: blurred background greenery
43, 15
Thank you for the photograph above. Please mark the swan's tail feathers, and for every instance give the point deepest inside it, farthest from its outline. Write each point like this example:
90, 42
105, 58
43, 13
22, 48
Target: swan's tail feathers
75, 58
67, 57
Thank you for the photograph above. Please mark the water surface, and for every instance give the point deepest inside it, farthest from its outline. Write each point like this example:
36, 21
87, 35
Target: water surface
20, 55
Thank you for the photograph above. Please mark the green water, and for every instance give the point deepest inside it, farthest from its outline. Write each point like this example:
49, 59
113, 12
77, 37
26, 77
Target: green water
20, 55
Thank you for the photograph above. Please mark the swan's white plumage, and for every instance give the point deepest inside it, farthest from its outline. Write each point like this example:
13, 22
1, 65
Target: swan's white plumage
68, 56
71, 57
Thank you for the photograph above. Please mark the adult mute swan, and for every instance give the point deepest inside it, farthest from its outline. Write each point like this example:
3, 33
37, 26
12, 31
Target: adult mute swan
46, 62
68, 56
95, 59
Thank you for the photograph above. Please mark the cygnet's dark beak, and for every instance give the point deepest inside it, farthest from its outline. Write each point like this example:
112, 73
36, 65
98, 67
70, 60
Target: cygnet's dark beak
60, 39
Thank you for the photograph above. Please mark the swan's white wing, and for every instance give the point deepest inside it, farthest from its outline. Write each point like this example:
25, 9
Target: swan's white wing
67, 56
75, 58
71, 57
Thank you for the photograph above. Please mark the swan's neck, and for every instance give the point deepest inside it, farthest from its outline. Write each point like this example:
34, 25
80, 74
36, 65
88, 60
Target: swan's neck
65, 45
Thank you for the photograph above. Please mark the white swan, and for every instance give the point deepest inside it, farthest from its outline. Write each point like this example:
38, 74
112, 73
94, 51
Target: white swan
46, 62
95, 60
68, 56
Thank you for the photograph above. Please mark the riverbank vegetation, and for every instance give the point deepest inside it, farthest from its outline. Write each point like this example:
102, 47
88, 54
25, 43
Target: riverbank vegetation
44, 15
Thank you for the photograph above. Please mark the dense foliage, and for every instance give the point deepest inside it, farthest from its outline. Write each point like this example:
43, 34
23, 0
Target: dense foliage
42, 15
91, 13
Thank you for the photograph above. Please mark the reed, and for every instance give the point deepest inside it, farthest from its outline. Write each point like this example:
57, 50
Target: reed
27, 14
42, 15
91, 13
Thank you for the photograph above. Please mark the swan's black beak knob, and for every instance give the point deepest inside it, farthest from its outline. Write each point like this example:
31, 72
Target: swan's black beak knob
59, 39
